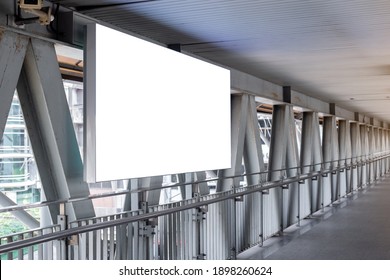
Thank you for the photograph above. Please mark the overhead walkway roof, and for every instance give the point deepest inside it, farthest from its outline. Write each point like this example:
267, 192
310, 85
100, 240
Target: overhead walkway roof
336, 51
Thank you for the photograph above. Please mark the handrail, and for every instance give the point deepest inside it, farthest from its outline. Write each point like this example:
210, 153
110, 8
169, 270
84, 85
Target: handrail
146, 216
31, 231
381, 155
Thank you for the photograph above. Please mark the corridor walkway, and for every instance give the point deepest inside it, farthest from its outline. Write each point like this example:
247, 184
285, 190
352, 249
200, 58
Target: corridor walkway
356, 229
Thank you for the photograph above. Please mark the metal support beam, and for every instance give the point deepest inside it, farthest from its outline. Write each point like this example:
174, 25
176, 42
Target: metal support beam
132, 200
239, 115
152, 197
55, 136
202, 188
239, 119
273, 205
345, 153
331, 155
387, 149
187, 191
251, 216
364, 153
253, 154
382, 138
318, 160
311, 154
21, 215
376, 151
42, 159
356, 155
12, 51
371, 146
292, 197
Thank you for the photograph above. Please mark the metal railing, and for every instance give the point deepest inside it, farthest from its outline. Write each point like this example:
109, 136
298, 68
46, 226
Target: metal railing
50, 250
214, 226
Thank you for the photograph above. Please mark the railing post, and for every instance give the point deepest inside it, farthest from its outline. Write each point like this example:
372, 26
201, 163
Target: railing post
63, 222
322, 190
147, 231
232, 221
200, 220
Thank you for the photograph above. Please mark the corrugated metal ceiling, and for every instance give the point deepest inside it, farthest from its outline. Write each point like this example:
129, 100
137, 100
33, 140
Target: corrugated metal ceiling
335, 50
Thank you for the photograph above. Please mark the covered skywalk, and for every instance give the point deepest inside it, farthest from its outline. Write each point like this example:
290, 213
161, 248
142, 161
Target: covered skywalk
310, 135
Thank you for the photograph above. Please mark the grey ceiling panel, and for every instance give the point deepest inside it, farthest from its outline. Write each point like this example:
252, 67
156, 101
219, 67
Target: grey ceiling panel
335, 50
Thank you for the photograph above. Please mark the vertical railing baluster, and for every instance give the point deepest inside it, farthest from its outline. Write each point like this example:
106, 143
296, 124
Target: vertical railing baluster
30, 249
20, 251
40, 247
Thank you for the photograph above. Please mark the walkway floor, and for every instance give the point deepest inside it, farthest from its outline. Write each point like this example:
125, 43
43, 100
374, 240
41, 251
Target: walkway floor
356, 229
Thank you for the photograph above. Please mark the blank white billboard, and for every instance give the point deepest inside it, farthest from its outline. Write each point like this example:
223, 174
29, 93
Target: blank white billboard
150, 110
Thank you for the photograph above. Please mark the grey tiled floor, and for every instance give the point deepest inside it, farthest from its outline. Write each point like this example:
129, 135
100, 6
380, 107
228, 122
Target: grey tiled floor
356, 229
